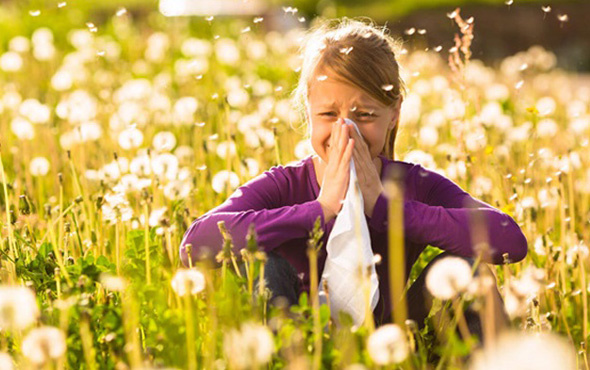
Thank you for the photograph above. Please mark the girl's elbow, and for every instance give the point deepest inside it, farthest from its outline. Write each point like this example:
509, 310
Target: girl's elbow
518, 248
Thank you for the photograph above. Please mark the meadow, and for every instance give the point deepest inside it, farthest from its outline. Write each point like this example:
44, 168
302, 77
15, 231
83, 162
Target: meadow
117, 135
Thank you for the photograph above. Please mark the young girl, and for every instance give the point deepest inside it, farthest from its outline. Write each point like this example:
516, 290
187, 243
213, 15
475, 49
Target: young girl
350, 71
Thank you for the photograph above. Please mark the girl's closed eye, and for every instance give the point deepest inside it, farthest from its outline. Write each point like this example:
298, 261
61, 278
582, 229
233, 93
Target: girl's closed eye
366, 115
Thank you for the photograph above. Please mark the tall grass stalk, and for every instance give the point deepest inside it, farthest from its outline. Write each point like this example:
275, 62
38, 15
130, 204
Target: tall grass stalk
12, 245
146, 234
87, 344
313, 246
395, 194
190, 330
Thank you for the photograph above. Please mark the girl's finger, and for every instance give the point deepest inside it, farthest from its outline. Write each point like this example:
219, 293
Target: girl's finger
347, 154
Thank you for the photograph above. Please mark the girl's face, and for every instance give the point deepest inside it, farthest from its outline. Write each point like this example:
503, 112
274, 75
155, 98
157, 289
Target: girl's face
330, 99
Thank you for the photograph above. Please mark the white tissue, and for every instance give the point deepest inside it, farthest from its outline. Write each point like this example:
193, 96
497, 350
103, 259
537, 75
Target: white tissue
346, 256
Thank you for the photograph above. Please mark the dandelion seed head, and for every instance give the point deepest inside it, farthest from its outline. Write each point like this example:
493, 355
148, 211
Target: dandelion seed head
43, 344
223, 179
18, 307
250, 346
112, 282
39, 166
448, 277
388, 345
188, 281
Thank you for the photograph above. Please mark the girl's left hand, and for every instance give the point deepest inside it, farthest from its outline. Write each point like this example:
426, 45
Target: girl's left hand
368, 177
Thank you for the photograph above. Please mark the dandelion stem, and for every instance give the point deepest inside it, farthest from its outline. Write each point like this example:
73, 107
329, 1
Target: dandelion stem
147, 244
190, 331
396, 251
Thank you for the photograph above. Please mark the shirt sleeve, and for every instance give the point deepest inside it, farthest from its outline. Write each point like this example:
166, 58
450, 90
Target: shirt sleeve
257, 202
444, 219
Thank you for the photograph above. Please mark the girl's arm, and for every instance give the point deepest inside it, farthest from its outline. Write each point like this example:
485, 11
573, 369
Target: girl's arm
441, 217
258, 201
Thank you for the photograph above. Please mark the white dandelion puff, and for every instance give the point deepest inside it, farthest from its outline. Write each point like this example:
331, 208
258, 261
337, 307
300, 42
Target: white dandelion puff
39, 166
43, 344
448, 277
512, 350
188, 281
388, 345
130, 138
250, 346
164, 141
224, 178
18, 307
112, 282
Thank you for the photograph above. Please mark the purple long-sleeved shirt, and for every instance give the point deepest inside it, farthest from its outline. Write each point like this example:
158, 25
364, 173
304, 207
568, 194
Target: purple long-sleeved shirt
282, 204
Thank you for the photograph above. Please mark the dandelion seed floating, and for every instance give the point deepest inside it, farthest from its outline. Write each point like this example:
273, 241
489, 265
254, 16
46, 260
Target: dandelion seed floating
563, 17
523, 66
34, 13
62, 4
438, 48
245, 30
290, 9
509, 2
519, 85
410, 31
546, 9
322, 78
346, 50
120, 12
387, 87
452, 14
421, 31
301, 19
258, 19
209, 18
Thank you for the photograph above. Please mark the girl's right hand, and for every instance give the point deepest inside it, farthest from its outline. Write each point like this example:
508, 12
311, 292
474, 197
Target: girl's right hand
337, 172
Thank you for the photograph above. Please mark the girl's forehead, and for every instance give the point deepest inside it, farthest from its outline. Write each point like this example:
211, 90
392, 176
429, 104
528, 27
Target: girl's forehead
336, 93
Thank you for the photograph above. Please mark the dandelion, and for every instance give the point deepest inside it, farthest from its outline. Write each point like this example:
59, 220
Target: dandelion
22, 128
225, 149
43, 344
513, 351
164, 141
11, 62
238, 98
448, 277
222, 179
188, 281
6, 362
428, 136
18, 307
249, 347
114, 283
130, 138
39, 166
388, 345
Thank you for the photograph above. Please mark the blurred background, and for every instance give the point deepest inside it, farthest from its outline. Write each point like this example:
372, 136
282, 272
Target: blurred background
503, 27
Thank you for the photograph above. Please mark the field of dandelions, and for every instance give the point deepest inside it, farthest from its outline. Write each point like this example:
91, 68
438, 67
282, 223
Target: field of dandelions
116, 136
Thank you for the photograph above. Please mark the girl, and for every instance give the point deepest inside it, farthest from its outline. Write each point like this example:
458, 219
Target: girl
350, 71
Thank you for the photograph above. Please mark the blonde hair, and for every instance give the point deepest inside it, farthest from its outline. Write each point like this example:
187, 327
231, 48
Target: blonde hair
361, 54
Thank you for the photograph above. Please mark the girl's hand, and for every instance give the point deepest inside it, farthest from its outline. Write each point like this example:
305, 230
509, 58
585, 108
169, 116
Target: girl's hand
337, 171
368, 176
